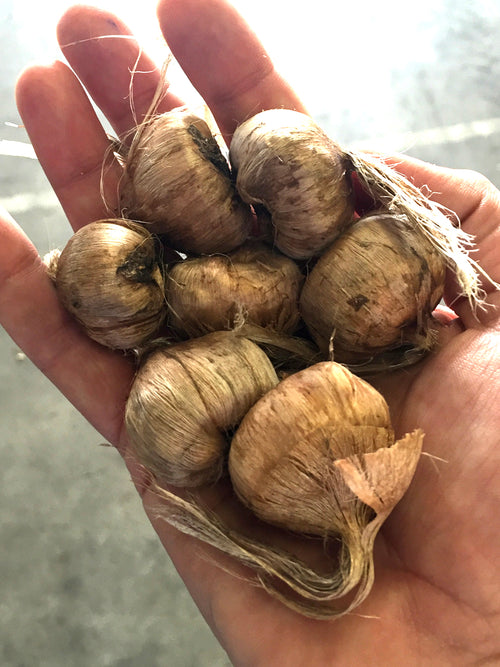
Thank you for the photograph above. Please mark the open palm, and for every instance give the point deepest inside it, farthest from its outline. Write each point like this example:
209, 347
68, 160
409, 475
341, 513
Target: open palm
436, 598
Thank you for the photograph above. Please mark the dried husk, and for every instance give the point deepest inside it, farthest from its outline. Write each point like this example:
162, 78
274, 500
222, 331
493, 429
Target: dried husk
108, 277
282, 455
252, 284
186, 399
289, 354
317, 455
178, 182
286, 163
374, 290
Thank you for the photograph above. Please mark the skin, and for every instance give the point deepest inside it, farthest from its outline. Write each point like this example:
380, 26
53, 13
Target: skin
436, 598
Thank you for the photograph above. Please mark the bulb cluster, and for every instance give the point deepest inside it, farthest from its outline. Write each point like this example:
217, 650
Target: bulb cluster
241, 286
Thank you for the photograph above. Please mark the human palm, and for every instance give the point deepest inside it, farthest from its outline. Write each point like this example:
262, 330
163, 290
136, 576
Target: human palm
436, 597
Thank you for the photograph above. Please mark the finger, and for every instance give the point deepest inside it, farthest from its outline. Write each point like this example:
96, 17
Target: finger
119, 76
224, 60
69, 141
462, 191
93, 378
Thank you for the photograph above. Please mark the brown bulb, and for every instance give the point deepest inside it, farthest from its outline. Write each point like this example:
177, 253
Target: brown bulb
374, 289
317, 455
187, 398
283, 457
108, 277
286, 163
177, 180
252, 285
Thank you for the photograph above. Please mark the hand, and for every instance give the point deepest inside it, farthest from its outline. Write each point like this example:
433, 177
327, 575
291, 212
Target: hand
436, 598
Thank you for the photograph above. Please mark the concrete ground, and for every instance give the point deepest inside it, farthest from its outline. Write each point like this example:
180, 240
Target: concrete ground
83, 579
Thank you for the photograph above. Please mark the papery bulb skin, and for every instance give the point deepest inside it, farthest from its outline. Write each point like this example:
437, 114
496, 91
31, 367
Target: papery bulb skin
185, 400
374, 290
109, 278
253, 284
177, 181
285, 162
283, 454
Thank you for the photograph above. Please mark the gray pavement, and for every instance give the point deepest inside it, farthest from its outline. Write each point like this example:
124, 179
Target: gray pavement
83, 579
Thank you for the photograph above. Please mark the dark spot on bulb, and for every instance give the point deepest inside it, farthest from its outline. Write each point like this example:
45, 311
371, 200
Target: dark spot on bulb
358, 301
139, 266
210, 150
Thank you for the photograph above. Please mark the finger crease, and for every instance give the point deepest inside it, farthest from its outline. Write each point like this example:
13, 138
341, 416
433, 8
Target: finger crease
246, 85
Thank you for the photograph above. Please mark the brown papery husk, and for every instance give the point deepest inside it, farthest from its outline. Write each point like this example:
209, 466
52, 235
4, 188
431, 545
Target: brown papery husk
285, 162
281, 457
288, 354
374, 290
344, 487
187, 397
178, 182
252, 283
108, 277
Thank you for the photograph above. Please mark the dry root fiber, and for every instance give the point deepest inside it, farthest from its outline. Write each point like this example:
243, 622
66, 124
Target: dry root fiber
442, 227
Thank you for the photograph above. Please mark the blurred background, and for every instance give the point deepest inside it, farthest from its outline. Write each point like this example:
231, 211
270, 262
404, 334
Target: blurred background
83, 579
